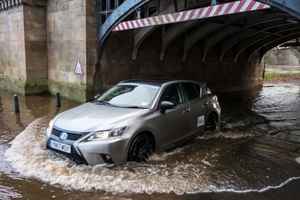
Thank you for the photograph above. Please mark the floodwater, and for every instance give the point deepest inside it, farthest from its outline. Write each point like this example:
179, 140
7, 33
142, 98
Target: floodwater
253, 156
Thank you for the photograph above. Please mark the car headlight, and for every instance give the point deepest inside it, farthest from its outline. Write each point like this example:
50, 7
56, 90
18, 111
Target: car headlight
100, 135
49, 129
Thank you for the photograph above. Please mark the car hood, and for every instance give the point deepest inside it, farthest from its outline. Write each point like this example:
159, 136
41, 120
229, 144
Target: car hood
93, 117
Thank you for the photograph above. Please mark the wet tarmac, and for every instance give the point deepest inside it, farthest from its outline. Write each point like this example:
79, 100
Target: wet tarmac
253, 157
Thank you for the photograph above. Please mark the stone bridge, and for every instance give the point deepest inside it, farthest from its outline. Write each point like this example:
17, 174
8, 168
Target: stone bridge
78, 46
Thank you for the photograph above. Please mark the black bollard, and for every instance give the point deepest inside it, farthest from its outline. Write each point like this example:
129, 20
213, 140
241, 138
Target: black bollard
16, 104
58, 100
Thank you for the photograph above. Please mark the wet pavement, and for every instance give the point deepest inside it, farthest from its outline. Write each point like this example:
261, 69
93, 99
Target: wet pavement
253, 157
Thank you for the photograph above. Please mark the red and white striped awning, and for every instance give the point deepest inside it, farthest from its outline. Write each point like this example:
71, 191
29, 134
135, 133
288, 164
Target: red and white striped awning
195, 14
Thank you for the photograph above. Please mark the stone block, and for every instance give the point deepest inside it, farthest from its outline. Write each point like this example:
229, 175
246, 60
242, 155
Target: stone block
44, 40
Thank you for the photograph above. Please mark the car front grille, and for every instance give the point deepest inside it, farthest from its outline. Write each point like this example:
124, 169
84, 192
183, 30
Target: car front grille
71, 136
73, 155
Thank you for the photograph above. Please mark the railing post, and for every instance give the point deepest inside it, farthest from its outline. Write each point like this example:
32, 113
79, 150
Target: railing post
16, 104
58, 100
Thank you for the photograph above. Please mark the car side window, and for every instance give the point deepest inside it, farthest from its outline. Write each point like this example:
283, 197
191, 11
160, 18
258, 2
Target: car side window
191, 91
171, 94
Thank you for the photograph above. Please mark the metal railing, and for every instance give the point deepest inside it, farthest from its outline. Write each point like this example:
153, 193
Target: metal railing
120, 13
105, 7
290, 6
7, 4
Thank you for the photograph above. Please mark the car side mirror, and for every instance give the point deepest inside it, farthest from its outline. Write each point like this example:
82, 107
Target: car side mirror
166, 105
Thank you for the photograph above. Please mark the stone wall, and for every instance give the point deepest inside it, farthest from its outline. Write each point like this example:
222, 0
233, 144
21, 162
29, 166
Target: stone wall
41, 43
71, 39
12, 51
36, 46
23, 52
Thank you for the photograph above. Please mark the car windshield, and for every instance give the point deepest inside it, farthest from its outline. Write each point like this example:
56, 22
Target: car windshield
130, 95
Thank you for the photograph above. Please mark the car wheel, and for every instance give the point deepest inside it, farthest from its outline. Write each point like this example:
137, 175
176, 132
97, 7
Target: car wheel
141, 148
211, 123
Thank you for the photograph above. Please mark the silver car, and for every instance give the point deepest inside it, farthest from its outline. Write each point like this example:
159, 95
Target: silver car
132, 120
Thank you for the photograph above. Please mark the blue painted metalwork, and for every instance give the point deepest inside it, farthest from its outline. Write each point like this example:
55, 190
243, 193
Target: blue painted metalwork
214, 2
125, 9
129, 6
290, 6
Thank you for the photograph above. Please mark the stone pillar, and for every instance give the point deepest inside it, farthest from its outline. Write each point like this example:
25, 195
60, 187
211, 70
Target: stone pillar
44, 40
71, 40
23, 61
12, 51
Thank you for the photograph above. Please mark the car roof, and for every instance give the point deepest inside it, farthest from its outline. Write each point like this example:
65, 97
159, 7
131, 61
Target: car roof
159, 82
149, 82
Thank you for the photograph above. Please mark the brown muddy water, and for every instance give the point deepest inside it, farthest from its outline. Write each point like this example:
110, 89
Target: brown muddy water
252, 157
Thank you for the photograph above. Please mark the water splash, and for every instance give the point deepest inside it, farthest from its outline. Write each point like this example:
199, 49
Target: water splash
7, 193
29, 157
174, 171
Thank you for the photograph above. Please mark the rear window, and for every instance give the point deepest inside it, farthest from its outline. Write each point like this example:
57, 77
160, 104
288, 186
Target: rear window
191, 91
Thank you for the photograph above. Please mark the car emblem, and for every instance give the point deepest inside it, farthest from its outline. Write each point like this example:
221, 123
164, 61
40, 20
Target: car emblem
63, 136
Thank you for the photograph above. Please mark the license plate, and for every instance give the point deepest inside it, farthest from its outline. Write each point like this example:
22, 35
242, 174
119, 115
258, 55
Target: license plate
61, 147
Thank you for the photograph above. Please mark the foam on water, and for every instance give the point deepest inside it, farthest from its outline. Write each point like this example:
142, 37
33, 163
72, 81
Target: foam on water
7, 193
28, 156
164, 156
227, 135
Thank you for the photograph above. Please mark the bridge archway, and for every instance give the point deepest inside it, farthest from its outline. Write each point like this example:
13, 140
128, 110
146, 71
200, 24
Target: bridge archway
224, 51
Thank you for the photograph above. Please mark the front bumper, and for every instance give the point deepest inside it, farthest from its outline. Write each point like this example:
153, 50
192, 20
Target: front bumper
79, 159
103, 152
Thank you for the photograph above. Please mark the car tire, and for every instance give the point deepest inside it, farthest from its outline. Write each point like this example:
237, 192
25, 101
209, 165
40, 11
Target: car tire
141, 148
211, 122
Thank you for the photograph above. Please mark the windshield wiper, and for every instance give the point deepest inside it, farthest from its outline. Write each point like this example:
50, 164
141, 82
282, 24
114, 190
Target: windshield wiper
137, 107
102, 102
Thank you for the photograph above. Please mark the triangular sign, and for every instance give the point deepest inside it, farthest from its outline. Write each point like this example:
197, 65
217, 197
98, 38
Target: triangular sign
78, 69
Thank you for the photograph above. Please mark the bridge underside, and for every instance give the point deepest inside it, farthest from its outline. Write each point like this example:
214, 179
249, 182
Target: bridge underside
225, 51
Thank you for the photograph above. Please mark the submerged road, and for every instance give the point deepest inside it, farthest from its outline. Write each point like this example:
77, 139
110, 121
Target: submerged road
253, 157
